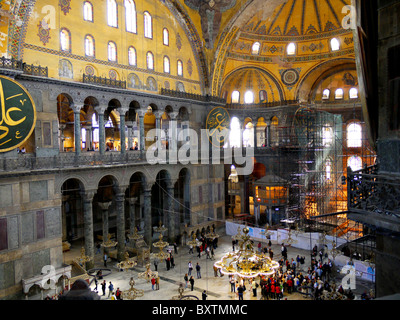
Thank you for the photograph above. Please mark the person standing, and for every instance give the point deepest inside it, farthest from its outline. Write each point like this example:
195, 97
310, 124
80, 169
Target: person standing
191, 280
103, 287
198, 270
153, 282
156, 263
110, 288
190, 266
158, 283
95, 283
186, 278
240, 292
254, 286
204, 295
105, 259
232, 282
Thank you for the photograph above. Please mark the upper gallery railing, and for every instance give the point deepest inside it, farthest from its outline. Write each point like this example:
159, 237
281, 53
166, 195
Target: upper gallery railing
372, 192
191, 96
19, 66
108, 82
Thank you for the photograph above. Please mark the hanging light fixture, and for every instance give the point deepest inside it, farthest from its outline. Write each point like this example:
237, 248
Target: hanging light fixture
245, 262
148, 274
212, 235
109, 243
132, 293
126, 264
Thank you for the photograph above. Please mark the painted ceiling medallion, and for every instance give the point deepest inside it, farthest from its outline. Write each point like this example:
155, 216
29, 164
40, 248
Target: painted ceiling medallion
290, 77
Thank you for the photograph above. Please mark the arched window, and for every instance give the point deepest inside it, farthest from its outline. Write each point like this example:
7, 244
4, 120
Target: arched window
327, 135
248, 135
339, 93
291, 49
353, 93
112, 13
166, 64
95, 127
354, 135
263, 96
325, 94
234, 134
255, 48
130, 16
355, 163
150, 61
89, 46
335, 44
235, 96
65, 40
132, 56
87, 11
328, 169
180, 68
148, 25
165, 37
249, 97
112, 51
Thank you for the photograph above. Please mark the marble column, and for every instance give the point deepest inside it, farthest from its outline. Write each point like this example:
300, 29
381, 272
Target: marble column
119, 201
268, 134
89, 137
104, 209
129, 125
170, 206
158, 115
102, 135
147, 217
64, 217
255, 136
122, 112
77, 129
173, 138
132, 214
88, 223
140, 114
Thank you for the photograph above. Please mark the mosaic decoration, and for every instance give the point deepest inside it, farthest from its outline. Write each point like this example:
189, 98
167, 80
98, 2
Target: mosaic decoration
89, 70
65, 6
293, 32
167, 85
329, 26
151, 84
178, 41
190, 67
311, 29
348, 40
112, 74
43, 32
312, 47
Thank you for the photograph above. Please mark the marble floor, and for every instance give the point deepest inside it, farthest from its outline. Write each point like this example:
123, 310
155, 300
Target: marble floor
217, 288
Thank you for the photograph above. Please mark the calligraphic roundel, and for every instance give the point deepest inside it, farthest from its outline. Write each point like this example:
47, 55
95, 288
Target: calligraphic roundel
17, 114
217, 124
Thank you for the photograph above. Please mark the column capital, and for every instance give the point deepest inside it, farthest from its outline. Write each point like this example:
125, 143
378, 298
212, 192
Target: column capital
158, 113
101, 109
141, 112
104, 205
123, 109
77, 108
88, 195
173, 115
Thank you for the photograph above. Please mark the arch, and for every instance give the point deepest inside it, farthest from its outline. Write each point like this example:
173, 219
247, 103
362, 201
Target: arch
182, 195
306, 89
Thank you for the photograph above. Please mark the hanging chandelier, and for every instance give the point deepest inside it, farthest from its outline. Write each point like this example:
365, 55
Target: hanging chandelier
126, 264
148, 274
160, 228
245, 262
194, 242
160, 244
109, 243
132, 293
135, 236
83, 258
212, 235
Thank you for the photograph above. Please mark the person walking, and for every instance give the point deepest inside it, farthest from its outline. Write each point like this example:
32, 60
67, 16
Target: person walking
191, 280
153, 282
95, 283
254, 286
155, 264
198, 270
103, 287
